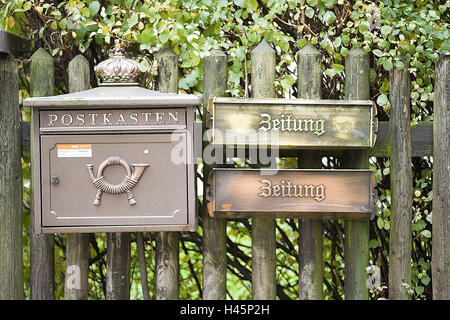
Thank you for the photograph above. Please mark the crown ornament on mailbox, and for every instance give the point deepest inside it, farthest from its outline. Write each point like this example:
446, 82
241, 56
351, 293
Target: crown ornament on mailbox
117, 69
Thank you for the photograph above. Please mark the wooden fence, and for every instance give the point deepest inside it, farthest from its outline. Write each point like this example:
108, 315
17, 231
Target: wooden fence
396, 139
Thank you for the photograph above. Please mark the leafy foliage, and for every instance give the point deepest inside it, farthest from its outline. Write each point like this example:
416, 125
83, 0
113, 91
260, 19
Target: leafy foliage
396, 33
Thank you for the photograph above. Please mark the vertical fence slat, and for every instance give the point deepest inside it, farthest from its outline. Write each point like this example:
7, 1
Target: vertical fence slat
77, 246
356, 246
118, 266
310, 242
214, 229
42, 261
400, 242
263, 229
441, 181
167, 243
11, 265
167, 266
77, 267
142, 265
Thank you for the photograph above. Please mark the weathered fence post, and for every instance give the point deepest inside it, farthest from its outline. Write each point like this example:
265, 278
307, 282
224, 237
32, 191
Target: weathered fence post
42, 261
441, 181
264, 285
77, 246
400, 242
11, 265
142, 265
310, 242
215, 75
118, 266
356, 246
167, 243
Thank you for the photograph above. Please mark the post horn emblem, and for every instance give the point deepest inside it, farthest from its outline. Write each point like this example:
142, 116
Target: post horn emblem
134, 173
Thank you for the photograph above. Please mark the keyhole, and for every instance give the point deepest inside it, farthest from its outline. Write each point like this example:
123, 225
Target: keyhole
54, 179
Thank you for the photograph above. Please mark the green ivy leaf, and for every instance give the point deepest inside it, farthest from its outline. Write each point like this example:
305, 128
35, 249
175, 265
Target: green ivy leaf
419, 225
378, 52
426, 233
374, 243
337, 67
287, 82
85, 12
309, 12
330, 72
147, 36
27, 6
337, 42
383, 100
445, 46
164, 36
329, 3
329, 17
54, 25
94, 7
302, 42
380, 223
190, 80
133, 20
363, 26
63, 23
252, 5
425, 280
344, 51
386, 30
193, 59
399, 64
240, 53
144, 66
387, 64
419, 290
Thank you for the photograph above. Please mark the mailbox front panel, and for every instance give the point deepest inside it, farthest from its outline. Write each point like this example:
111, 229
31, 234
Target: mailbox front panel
71, 171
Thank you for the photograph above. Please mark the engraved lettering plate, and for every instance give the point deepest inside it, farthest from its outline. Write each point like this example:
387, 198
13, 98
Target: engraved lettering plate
112, 119
293, 123
293, 193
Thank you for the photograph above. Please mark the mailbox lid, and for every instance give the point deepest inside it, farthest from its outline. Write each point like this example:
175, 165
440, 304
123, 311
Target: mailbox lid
70, 202
114, 96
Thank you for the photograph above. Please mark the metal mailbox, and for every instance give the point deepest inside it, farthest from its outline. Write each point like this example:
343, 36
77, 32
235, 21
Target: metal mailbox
116, 158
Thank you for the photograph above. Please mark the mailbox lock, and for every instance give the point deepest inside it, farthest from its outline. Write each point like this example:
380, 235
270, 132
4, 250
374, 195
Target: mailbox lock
54, 179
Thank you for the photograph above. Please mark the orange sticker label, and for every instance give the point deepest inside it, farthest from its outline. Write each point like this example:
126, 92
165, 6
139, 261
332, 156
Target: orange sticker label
74, 150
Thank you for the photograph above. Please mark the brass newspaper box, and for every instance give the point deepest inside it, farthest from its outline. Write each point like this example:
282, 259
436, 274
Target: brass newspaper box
294, 193
294, 123
116, 158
